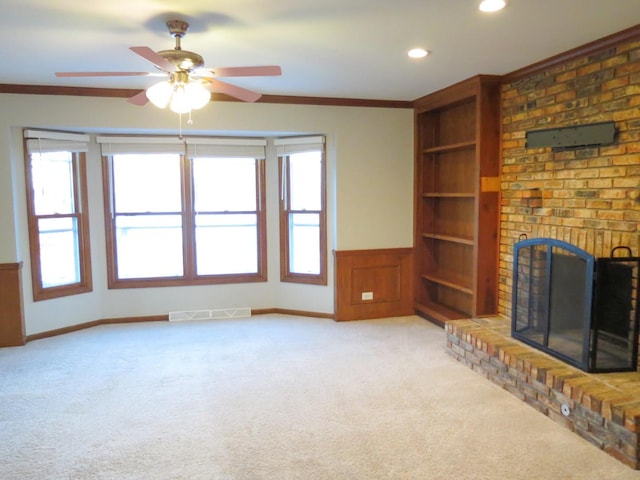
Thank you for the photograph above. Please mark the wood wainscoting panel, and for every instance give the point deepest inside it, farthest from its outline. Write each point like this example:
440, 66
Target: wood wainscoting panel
385, 275
12, 332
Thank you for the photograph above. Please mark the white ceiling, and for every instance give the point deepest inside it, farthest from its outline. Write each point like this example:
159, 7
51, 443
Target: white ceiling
326, 48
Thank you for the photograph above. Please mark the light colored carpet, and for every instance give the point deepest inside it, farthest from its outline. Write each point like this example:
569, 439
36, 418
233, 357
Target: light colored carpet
271, 397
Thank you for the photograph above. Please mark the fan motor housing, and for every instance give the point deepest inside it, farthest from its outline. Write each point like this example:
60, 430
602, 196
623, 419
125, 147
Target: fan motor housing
182, 59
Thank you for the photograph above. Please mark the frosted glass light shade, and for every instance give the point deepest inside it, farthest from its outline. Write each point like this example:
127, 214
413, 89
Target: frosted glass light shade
180, 100
180, 97
198, 95
160, 94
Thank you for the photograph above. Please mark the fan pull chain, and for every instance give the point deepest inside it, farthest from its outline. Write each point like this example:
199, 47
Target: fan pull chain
189, 122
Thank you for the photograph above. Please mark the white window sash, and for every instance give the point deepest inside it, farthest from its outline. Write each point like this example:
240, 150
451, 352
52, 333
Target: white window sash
291, 145
227, 147
194, 147
42, 141
112, 145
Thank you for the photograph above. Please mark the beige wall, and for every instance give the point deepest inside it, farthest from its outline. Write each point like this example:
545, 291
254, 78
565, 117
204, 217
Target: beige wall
370, 168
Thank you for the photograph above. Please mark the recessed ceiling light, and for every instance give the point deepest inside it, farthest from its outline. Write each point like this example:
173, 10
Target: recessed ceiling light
492, 5
418, 53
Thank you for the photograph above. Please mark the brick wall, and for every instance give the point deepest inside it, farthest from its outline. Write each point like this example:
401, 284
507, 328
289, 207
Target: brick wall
589, 197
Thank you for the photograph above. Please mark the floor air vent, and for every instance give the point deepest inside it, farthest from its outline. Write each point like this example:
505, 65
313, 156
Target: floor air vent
210, 314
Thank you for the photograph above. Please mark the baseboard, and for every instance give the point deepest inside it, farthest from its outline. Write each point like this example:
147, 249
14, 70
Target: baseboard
160, 318
95, 323
285, 311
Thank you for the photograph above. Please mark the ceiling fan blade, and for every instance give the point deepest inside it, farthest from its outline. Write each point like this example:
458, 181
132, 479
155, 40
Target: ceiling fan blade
232, 90
139, 99
153, 57
102, 74
247, 71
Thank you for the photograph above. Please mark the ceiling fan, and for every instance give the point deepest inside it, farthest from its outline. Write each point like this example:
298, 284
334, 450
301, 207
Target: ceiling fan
189, 83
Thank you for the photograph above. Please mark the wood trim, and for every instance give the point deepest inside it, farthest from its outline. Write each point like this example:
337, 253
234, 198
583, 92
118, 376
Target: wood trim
11, 305
157, 318
95, 323
11, 266
462, 91
216, 97
286, 311
336, 102
632, 33
387, 273
489, 184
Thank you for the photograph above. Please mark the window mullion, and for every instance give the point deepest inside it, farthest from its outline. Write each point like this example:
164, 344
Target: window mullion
77, 188
261, 217
284, 219
188, 219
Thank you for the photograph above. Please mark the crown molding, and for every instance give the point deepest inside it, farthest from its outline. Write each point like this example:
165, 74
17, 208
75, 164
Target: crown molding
216, 97
629, 34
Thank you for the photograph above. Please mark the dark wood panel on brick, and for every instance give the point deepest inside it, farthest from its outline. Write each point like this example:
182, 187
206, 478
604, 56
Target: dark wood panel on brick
386, 274
12, 332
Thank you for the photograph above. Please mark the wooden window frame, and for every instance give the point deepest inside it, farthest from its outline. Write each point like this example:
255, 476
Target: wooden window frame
81, 214
286, 275
189, 276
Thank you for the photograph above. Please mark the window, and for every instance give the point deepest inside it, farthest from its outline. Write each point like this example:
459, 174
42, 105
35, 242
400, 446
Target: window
177, 217
303, 232
57, 213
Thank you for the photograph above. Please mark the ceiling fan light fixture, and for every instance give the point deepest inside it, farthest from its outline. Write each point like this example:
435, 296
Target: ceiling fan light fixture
181, 97
492, 5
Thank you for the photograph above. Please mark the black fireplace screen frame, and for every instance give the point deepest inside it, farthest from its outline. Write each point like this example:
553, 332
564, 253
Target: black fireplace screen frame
575, 307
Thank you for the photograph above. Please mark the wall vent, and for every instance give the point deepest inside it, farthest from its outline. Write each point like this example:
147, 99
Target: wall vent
186, 315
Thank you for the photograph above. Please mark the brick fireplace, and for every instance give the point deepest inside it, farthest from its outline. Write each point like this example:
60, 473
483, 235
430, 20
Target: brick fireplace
588, 197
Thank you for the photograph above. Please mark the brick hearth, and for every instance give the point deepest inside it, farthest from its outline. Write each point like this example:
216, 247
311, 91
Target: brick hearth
603, 408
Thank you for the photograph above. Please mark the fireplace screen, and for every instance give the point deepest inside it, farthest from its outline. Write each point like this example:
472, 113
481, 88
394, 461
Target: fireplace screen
575, 307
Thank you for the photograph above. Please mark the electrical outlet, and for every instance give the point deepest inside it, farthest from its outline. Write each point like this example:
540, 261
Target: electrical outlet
367, 295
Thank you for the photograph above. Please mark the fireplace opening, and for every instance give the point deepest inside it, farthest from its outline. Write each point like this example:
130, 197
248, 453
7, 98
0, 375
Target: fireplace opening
578, 308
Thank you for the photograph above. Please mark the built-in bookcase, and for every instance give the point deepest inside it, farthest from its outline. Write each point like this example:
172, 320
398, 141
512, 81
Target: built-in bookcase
457, 200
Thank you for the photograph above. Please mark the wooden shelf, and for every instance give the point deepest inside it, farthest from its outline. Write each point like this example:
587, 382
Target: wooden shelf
456, 282
457, 226
447, 238
440, 314
450, 148
448, 195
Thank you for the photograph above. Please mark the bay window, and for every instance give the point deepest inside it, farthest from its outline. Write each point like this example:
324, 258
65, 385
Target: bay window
181, 214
